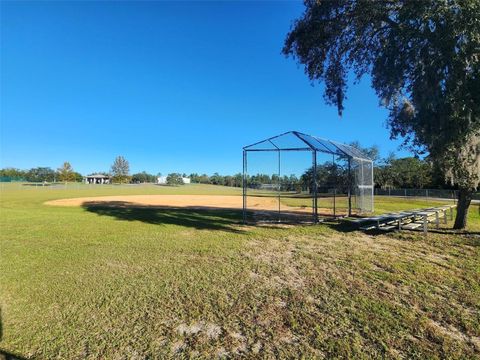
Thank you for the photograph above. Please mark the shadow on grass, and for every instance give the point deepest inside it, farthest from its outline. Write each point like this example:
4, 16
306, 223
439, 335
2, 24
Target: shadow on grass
201, 218
471, 238
295, 196
6, 355
340, 225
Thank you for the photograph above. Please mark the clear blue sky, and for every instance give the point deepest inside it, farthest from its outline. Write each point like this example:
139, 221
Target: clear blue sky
170, 86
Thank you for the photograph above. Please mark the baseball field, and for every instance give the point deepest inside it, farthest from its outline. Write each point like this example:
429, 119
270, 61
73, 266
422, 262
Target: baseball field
152, 272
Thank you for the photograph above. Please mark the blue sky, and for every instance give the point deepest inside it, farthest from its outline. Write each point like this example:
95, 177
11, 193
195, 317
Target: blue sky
170, 86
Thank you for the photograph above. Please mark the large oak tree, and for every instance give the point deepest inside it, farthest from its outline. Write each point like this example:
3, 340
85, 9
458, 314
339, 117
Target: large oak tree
424, 61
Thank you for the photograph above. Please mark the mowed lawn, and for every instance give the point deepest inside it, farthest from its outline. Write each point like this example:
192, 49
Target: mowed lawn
175, 283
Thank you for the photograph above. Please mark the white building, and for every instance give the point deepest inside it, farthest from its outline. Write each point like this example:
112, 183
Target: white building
97, 179
162, 180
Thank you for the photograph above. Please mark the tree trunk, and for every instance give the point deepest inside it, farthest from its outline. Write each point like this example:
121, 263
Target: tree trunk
464, 200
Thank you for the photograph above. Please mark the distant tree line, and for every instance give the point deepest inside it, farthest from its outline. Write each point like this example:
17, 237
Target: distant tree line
409, 172
41, 174
217, 179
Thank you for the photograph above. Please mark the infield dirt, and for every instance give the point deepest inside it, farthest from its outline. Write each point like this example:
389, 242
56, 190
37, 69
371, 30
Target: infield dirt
179, 201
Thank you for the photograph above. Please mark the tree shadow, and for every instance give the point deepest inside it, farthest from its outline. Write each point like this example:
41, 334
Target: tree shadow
340, 225
471, 238
6, 355
201, 218
345, 225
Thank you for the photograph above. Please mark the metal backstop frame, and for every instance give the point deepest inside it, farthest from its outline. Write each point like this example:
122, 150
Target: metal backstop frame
360, 169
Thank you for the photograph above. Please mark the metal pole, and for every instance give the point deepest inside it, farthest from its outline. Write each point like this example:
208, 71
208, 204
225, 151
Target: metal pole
349, 189
279, 212
311, 190
334, 187
315, 190
373, 187
244, 186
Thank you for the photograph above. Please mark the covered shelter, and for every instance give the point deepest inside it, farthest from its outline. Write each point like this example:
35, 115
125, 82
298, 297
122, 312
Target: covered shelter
344, 181
97, 179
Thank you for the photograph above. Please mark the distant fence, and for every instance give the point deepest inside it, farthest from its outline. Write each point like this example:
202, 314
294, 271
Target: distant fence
63, 186
423, 193
22, 185
11, 179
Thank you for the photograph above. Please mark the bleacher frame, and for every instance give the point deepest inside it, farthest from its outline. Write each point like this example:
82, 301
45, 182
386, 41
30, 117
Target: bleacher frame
417, 219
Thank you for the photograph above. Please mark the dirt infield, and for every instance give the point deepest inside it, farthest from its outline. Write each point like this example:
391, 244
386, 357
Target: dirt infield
179, 201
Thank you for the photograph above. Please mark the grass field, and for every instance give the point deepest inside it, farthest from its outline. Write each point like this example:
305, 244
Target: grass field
176, 283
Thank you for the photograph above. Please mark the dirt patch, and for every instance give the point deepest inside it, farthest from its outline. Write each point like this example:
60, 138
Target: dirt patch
454, 333
179, 201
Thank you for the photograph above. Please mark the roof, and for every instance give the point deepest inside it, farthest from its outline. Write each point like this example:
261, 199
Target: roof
297, 141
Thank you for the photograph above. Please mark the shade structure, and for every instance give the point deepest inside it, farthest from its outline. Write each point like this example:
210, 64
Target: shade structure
356, 175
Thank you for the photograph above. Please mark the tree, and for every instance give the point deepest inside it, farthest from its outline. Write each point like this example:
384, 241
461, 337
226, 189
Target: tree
410, 172
216, 179
78, 176
372, 152
382, 172
40, 174
238, 180
12, 174
228, 180
425, 68
174, 179
143, 177
194, 178
120, 170
66, 173
204, 179
329, 175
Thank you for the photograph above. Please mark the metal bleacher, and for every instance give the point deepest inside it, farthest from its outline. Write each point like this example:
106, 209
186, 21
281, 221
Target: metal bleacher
417, 219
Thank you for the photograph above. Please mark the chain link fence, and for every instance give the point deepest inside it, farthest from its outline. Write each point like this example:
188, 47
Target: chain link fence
423, 193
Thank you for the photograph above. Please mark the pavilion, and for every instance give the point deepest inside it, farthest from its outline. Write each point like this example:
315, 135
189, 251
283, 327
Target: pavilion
97, 179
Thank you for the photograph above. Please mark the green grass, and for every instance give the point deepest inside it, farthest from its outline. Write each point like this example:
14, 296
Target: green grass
152, 283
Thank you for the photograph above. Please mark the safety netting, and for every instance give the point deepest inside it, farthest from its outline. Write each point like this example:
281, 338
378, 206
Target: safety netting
363, 185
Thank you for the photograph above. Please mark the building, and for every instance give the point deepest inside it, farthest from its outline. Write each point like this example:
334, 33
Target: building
162, 180
97, 179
